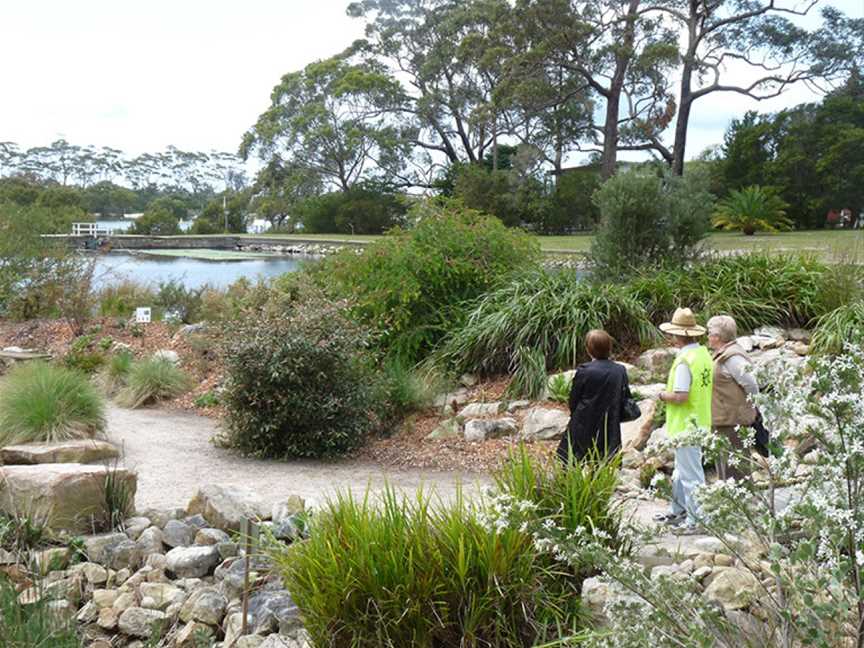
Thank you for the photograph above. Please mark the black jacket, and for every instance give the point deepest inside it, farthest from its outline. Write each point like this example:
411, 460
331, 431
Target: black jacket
596, 398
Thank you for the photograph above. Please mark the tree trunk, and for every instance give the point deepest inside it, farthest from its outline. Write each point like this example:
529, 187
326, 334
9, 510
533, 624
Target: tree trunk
686, 95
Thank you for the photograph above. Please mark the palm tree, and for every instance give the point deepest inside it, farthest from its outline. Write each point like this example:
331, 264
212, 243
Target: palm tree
751, 210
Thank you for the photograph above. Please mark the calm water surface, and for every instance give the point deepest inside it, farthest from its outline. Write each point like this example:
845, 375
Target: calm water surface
193, 273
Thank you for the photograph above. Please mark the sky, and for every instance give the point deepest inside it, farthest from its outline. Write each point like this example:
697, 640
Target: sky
142, 75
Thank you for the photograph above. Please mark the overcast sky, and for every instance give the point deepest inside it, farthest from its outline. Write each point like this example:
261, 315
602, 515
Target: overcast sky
140, 75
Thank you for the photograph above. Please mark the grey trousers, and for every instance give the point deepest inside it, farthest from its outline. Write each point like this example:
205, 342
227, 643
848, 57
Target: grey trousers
687, 476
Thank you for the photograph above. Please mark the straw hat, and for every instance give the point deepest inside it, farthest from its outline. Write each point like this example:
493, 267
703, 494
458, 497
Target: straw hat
684, 324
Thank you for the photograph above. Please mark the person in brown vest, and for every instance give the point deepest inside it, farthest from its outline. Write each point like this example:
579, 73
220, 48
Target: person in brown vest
733, 384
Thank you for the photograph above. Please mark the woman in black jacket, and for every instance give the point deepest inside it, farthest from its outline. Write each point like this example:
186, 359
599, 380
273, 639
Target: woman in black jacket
596, 400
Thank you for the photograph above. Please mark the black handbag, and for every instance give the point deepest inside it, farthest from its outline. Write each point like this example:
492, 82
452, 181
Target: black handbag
629, 409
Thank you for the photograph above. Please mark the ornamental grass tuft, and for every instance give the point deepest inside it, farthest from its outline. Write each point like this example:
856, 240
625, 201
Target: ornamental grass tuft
150, 381
41, 402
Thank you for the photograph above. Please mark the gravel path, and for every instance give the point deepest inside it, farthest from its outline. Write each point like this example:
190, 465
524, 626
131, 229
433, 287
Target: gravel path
173, 456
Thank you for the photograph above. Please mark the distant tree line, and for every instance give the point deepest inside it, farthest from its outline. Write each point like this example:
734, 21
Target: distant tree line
492, 101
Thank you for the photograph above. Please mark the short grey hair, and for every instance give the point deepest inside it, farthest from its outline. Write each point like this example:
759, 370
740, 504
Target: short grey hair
723, 327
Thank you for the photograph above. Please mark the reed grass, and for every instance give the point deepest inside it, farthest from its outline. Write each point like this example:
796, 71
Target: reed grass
43, 402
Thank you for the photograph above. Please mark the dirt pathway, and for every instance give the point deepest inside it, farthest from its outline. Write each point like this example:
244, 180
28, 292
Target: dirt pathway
173, 456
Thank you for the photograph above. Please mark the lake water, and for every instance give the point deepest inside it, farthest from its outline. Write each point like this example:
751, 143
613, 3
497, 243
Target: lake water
193, 273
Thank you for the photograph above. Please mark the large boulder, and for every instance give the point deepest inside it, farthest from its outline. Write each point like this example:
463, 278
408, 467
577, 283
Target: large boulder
635, 434
733, 588
224, 507
541, 423
66, 496
192, 562
473, 410
482, 429
74, 451
656, 363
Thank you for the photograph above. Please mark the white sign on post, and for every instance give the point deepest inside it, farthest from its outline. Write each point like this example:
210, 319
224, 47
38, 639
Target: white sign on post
142, 315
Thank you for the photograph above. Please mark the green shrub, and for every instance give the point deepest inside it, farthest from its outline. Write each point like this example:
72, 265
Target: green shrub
83, 357
41, 402
756, 289
156, 221
207, 399
149, 381
360, 210
33, 625
300, 383
546, 310
647, 221
122, 298
412, 284
184, 303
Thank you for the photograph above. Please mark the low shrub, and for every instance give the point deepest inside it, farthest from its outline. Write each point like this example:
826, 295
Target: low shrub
175, 299
412, 284
301, 382
42, 402
546, 310
122, 298
647, 221
559, 388
83, 357
149, 381
207, 399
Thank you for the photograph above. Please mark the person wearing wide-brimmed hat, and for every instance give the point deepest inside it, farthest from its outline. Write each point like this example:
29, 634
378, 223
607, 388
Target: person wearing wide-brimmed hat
688, 404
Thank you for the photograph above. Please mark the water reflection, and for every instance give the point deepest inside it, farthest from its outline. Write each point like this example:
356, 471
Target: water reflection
114, 267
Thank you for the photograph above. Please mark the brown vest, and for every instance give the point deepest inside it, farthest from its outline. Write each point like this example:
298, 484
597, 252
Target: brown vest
729, 404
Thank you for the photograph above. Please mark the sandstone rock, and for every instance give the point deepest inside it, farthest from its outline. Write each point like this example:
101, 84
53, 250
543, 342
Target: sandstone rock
78, 451
798, 335
225, 506
197, 522
107, 619
206, 605
482, 429
231, 577
447, 429
192, 562
159, 517
653, 555
459, 397
291, 506
467, 380
746, 343
733, 588
541, 424
67, 496
281, 641
657, 363
138, 622
801, 349
161, 595
635, 434
250, 641
123, 602
178, 534
232, 627
125, 555
228, 550
104, 598
88, 614
157, 561
95, 574
701, 573
98, 547
151, 541
135, 526
480, 409
211, 537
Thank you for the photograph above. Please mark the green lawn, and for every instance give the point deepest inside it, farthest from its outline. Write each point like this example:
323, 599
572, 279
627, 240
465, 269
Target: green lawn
833, 243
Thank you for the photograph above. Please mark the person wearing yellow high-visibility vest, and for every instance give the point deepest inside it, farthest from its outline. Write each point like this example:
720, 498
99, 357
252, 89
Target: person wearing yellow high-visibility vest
688, 404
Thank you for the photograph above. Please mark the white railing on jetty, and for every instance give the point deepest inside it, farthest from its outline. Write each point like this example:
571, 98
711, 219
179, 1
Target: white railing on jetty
89, 229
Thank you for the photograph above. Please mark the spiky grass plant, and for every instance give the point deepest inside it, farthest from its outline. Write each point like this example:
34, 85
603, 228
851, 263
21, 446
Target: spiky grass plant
33, 625
547, 311
843, 325
113, 376
752, 209
43, 402
528, 374
559, 387
150, 381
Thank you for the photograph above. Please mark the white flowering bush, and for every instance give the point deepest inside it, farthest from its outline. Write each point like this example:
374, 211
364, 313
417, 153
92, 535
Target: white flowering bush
795, 527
